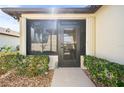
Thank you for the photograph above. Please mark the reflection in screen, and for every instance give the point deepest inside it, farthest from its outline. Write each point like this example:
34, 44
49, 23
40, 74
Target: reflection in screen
43, 37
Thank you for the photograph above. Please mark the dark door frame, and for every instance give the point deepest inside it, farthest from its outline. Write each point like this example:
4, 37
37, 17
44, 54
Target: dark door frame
75, 23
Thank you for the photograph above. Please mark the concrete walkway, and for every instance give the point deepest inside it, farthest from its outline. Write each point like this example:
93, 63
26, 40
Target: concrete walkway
70, 77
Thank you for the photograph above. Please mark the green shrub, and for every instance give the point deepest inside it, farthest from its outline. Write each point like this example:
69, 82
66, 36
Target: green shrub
6, 49
26, 65
105, 72
9, 60
33, 65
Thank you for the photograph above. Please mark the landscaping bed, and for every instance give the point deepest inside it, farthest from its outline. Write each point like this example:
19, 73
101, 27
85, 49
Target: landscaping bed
103, 72
14, 80
8, 61
24, 71
93, 80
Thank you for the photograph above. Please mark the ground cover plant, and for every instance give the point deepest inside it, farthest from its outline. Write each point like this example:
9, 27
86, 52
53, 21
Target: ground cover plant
105, 72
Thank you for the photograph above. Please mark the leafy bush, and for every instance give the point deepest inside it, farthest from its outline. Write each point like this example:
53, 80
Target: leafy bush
6, 49
9, 60
33, 65
105, 72
25, 65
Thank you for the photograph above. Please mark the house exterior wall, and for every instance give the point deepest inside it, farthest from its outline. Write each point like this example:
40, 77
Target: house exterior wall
104, 32
90, 30
6, 40
90, 36
23, 36
110, 33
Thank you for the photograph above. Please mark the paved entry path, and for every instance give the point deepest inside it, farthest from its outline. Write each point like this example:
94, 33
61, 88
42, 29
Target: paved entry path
70, 77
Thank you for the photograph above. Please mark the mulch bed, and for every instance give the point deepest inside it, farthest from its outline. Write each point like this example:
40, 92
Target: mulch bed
13, 80
94, 81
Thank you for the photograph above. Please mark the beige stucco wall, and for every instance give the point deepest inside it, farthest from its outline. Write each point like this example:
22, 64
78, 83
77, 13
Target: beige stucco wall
90, 35
6, 40
110, 33
23, 36
57, 16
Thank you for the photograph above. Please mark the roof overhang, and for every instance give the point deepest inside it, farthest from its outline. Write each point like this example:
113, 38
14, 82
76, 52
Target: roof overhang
16, 12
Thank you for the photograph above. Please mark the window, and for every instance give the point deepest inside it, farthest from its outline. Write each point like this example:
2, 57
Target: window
43, 35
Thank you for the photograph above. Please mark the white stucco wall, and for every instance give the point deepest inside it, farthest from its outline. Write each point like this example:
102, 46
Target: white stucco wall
6, 40
110, 33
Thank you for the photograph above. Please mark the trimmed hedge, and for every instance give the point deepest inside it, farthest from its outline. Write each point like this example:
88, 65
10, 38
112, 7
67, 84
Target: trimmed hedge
33, 65
105, 72
9, 60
